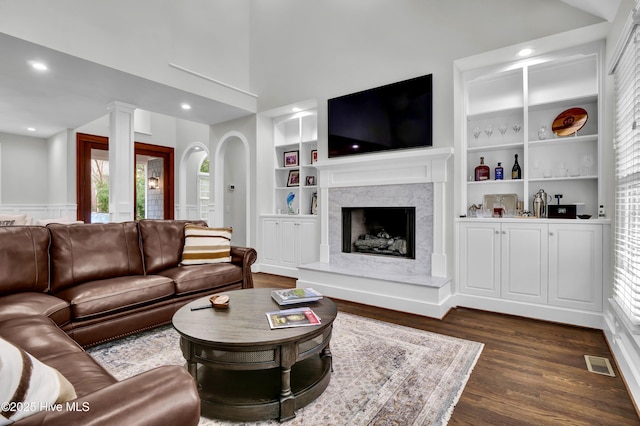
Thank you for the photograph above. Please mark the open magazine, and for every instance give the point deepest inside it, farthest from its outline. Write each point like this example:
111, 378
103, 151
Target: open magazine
292, 296
297, 317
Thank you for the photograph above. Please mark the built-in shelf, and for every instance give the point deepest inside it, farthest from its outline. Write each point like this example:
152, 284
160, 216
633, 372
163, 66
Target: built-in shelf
530, 95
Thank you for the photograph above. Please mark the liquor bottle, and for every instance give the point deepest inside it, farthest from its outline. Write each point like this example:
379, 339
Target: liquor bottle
516, 172
482, 171
499, 171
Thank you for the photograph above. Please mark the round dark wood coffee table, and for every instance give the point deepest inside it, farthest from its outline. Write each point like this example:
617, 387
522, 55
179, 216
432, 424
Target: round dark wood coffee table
244, 370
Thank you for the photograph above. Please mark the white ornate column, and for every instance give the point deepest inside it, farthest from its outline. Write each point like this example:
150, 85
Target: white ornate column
121, 162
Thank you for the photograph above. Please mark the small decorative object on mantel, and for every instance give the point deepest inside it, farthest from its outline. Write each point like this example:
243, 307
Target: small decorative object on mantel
568, 122
290, 199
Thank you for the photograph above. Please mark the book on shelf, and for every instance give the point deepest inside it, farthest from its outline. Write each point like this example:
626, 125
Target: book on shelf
295, 295
297, 317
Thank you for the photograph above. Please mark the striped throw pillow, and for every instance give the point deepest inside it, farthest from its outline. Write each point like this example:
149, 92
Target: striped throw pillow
206, 245
28, 385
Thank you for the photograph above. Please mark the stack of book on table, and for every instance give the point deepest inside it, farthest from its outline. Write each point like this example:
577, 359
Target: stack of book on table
295, 295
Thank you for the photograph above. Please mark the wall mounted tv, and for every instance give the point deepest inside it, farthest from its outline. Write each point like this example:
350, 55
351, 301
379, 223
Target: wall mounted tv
395, 116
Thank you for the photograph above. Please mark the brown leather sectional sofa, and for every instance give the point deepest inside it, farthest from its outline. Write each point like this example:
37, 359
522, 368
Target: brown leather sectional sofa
63, 287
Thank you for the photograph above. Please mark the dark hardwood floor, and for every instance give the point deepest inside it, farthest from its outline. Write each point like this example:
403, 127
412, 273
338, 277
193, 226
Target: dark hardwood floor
529, 373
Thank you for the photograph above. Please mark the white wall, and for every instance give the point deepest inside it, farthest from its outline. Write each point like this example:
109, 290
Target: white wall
25, 170
247, 128
234, 201
322, 49
61, 178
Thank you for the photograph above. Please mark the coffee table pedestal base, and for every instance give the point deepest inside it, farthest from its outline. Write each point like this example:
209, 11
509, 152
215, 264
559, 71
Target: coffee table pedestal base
256, 394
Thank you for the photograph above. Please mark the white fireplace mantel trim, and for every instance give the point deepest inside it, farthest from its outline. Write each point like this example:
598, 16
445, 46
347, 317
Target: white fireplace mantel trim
398, 167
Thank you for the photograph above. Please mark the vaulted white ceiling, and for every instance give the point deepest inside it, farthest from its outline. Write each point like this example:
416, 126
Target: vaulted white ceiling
605, 9
77, 91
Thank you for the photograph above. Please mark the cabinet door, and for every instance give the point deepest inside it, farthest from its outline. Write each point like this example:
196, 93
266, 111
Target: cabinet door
309, 242
524, 262
270, 241
479, 267
575, 266
290, 246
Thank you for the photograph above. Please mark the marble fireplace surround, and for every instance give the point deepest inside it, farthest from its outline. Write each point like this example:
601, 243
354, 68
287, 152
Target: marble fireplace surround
403, 178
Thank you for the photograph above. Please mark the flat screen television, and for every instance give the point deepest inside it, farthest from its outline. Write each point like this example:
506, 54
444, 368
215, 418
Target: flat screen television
390, 117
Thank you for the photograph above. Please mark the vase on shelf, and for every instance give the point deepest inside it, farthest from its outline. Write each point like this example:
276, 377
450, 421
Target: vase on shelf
290, 198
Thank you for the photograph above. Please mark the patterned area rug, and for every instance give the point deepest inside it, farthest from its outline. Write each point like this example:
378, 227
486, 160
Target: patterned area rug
384, 374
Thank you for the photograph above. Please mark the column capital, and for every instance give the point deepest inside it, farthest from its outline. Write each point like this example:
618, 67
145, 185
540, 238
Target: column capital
120, 106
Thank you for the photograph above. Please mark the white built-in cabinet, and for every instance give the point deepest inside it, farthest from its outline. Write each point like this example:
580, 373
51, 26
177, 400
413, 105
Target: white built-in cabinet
287, 242
554, 264
290, 236
576, 270
551, 269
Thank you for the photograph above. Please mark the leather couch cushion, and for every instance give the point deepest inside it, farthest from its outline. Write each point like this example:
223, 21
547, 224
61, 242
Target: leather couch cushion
81, 253
195, 278
40, 337
30, 303
162, 243
97, 298
24, 260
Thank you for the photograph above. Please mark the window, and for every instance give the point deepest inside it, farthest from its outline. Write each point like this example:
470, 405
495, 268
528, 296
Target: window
626, 284
203, 189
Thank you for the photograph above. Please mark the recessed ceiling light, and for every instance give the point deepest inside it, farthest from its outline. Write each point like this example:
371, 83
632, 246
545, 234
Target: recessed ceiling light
31, 129
525, 52
296, 109
185, 106
38, 66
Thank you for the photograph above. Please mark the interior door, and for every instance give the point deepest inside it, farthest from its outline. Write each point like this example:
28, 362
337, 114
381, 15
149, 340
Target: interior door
92, 179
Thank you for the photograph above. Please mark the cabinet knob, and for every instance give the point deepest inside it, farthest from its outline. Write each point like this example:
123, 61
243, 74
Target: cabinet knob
551, 234
497, 232
504, 232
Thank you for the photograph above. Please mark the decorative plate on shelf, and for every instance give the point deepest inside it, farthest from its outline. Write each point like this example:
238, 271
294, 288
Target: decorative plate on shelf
569, 122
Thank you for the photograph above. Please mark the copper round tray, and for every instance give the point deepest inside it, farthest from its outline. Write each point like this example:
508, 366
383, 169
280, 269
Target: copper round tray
569, 122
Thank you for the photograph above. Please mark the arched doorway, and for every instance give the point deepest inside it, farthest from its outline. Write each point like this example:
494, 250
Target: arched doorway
192, 203
232, 186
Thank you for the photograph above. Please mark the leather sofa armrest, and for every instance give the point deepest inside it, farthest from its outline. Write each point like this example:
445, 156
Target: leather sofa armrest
244, 257
163, 396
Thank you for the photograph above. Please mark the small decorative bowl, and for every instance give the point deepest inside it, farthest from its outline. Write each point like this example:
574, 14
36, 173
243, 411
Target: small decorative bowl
219, 301
584, 216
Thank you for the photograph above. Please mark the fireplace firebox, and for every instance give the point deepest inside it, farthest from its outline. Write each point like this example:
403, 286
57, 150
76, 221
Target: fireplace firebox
384, 231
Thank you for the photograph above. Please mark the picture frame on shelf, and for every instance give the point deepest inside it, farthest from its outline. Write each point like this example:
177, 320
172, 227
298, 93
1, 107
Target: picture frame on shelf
294, 178
310, 181
314, 203
314, 156
291, 158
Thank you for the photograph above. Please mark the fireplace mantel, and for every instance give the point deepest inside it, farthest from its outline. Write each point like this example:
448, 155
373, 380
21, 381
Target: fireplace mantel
396, 167
389, 178
389, 168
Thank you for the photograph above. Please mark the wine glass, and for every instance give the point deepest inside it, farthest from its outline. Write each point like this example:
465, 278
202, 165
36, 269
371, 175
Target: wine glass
476, 132
516, 128
488, 131
502, 129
